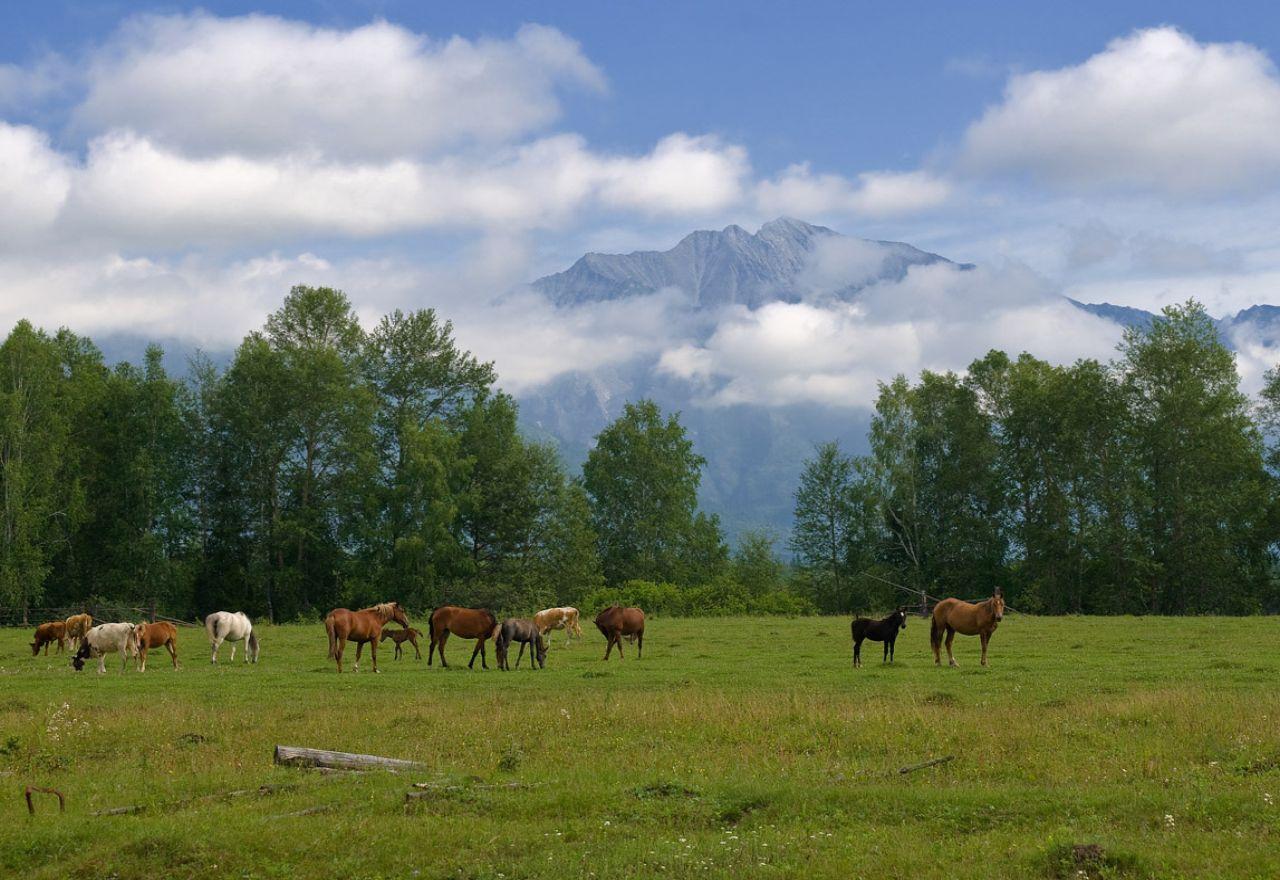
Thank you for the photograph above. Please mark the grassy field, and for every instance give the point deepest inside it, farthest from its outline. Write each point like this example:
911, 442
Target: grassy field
741, 747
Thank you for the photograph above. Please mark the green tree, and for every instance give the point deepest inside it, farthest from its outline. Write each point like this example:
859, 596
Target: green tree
642, 477
755, 564
823, 519
1204, 491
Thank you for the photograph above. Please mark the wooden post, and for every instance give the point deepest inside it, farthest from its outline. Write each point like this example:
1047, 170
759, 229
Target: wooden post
296, 756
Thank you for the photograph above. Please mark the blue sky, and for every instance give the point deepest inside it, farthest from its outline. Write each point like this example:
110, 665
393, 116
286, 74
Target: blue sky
169, 170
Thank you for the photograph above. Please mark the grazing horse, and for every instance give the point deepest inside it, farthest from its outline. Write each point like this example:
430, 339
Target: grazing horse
102, 640
526, 632
885, 630
360, 627
466, 623
231, 626
47, 634
957, 616
400, 636
77, 626
615, 622
153, 635
565, 618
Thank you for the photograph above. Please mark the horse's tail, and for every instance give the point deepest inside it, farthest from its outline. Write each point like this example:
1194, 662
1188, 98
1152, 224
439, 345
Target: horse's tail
330, 627
211, 626
253, 645
431, 623
936, 629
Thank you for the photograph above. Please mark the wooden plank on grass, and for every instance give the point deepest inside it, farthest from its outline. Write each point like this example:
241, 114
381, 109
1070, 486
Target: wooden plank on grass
296, 756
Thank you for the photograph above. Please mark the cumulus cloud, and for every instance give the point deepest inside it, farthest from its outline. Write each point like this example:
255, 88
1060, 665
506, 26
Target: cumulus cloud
798, 190
1156, 110
34, 181
129, 188
261, 85
939, 317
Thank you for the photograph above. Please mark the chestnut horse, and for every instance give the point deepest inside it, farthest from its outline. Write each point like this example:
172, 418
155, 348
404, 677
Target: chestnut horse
153, 635
466, 623
47, 634
957, 616
360, 627
615, 622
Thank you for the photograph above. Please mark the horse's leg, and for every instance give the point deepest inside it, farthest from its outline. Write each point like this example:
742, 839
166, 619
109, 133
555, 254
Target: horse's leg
951, 658
985, 637
484, 661
857, 653
640, 645
338, 649
474, 654
359, 648
373, 654
608, 645
520, 656
173, 652
416, 650
233, 652
444, 637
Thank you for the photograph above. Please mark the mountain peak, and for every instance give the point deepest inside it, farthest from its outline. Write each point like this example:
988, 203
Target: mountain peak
731, 266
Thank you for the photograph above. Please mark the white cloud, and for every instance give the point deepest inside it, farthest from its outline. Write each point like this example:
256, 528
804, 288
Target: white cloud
799, 191
131, 189
34, 181
939, 318
1155, 110
263, 85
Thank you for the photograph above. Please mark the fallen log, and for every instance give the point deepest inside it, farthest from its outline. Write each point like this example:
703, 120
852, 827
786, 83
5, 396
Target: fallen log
911, 768
295, 756
186, 802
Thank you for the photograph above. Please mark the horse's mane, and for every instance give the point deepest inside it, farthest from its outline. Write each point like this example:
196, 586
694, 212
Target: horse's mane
380, 608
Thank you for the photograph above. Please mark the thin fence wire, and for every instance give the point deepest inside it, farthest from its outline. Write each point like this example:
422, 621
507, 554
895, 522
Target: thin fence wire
921, 593
101, 612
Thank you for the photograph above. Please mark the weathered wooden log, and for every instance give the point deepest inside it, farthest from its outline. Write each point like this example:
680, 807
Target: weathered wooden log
295, 756
923, 764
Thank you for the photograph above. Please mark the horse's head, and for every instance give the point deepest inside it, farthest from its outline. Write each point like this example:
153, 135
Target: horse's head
398, 615
997, 606
83, 654
35, 647
139, 633
901, 614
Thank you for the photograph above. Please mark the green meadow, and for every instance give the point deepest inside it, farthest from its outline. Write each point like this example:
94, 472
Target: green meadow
1091, 747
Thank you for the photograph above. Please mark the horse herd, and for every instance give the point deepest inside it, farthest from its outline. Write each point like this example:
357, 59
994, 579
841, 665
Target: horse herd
369, 626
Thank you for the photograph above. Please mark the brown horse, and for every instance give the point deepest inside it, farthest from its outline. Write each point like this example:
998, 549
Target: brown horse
400, 636
957, 616
77, 626
360, 627
47, 634
465, 623
153, 635
615, 622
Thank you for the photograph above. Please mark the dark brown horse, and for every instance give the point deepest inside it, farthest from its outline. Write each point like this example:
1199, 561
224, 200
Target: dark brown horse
885, 630
465, 623
360, 627
957, 616
615, 622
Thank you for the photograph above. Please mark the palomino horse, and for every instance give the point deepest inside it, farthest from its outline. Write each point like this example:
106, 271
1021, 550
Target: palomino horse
466, 623
231, 626
77, 626
360, 627
957, 616
885, 630
153, 635
615, 622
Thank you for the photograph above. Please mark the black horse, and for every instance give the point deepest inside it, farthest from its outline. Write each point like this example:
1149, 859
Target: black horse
878, 631
525, 632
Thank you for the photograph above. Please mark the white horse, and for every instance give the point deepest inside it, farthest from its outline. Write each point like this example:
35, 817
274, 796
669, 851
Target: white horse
231, 626
103, 640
